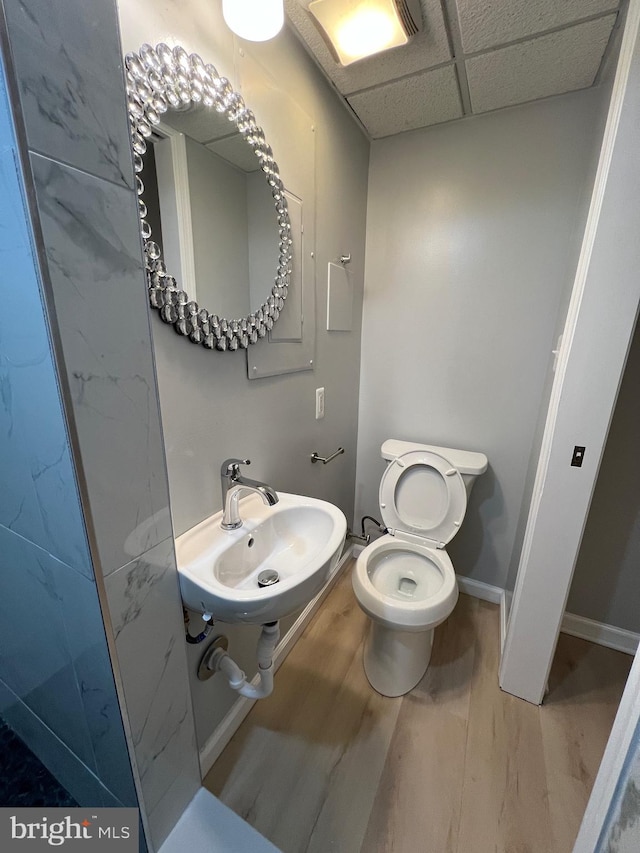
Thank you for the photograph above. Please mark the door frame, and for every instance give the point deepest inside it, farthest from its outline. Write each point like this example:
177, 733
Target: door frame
591, 359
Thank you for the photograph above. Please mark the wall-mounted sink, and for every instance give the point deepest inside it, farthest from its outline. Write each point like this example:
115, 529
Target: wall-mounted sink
299, 539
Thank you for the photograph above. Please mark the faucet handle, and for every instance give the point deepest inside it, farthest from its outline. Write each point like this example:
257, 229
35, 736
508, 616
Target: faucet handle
231, 467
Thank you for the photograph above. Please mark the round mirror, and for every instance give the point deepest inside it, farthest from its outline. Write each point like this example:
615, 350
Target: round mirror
169, 82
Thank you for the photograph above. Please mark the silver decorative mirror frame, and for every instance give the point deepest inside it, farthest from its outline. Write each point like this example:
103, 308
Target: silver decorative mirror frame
161, 78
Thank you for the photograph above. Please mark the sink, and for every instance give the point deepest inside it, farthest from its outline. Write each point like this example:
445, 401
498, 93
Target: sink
299, 538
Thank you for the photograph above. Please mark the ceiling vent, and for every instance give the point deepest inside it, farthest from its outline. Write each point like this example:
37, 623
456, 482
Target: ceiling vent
410, 15
356, 29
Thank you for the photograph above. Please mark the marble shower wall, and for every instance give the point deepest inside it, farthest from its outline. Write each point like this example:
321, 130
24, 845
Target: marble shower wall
57, 690
68, 67
621, 832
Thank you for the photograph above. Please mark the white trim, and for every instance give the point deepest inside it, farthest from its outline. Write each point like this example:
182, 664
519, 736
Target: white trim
577, 626
210, 752
487, 592
480, 589
504, 618
178, 182
600, 633
541, 590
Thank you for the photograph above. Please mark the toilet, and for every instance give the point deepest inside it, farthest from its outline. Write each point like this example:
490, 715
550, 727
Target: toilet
405, 581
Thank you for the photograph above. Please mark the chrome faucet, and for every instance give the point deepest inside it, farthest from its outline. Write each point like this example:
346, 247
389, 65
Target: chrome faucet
233, 483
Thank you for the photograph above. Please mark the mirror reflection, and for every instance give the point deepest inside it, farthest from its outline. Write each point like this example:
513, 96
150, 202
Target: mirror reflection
222, 191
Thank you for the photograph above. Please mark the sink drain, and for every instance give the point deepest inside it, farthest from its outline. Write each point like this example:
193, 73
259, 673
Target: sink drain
267, 578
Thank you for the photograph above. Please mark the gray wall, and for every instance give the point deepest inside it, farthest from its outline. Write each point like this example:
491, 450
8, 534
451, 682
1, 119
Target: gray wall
210, 410
603, 96
606, 581
56, 685
591, 590
220, 226
87, 229
470, 247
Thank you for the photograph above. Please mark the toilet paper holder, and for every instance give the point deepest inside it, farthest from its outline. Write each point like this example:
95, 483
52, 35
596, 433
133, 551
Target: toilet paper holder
325, 459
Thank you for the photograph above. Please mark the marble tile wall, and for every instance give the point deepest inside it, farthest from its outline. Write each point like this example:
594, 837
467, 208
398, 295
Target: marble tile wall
68, 71
56, 683
621, 833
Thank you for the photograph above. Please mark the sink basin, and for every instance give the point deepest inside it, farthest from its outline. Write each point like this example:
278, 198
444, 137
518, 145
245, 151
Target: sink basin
299, 538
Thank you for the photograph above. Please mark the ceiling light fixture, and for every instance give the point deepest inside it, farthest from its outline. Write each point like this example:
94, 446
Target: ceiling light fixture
254, 20
359, 28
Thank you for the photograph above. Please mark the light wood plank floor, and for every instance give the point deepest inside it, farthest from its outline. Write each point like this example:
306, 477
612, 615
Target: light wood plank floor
456, 766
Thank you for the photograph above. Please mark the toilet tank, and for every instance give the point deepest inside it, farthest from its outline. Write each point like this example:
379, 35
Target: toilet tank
469, 463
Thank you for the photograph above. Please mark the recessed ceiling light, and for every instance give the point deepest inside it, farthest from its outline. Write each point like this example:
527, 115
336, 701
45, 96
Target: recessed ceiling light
359, 28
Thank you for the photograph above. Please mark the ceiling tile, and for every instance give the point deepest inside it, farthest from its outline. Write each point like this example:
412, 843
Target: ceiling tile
418, 101
487, 24
428, 48
203, 125
549, 65
235, 150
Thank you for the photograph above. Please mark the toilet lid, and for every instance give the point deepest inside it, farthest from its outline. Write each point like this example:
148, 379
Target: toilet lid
421, 493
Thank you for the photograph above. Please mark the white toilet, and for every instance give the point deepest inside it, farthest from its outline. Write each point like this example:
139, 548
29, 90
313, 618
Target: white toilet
405, 580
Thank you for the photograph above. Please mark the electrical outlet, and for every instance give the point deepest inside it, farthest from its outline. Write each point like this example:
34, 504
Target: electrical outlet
319, 403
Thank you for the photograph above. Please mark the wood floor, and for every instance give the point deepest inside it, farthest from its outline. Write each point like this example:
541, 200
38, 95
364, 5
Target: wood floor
457, 766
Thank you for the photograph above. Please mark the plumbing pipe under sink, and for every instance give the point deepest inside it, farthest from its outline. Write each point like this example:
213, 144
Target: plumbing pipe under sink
221, 661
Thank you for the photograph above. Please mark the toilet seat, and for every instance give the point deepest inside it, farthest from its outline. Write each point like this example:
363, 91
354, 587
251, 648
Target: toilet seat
405, 581
410, 560
423, 498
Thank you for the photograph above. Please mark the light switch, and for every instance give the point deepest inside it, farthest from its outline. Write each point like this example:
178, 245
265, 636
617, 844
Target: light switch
578, 456
319, 403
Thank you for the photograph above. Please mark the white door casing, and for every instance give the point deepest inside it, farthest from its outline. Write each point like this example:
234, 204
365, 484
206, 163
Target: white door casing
593, 352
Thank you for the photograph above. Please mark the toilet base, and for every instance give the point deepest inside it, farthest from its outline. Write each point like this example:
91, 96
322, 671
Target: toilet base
395, 661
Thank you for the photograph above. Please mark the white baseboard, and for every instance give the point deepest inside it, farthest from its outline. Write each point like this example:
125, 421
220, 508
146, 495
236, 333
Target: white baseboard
480, 589
578, 626
598, 632
223, 733
486, 592
504, 618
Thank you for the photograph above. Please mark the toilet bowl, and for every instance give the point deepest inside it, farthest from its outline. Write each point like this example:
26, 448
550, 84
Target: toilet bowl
405, 581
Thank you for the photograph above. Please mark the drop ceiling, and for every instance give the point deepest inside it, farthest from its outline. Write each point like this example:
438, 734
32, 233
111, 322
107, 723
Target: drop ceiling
470, 57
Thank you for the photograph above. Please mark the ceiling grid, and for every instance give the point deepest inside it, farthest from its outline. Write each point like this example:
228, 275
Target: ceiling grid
470, 57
